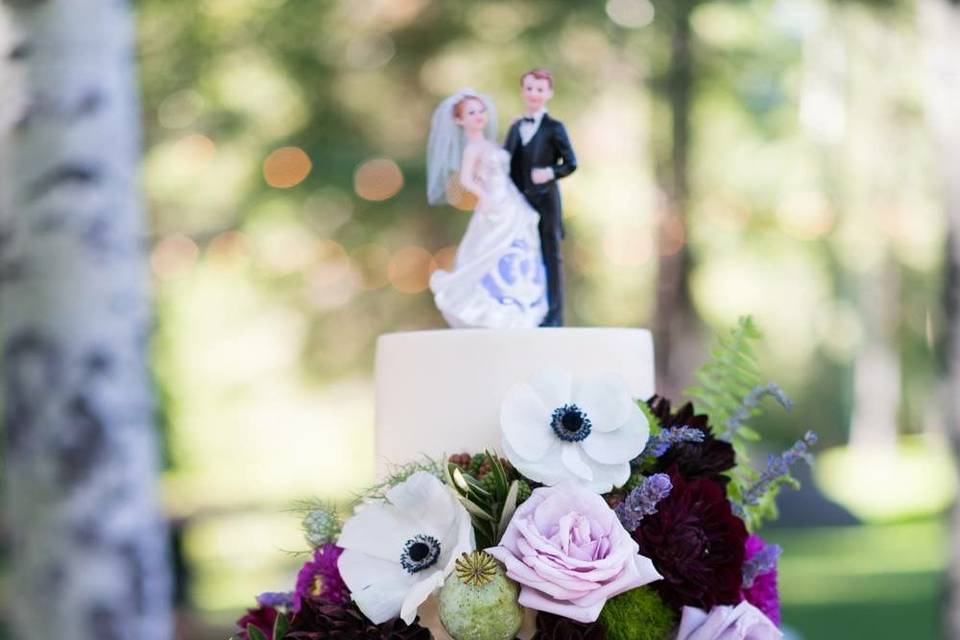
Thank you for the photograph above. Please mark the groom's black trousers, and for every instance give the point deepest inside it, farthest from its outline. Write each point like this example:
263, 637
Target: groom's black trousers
546, 200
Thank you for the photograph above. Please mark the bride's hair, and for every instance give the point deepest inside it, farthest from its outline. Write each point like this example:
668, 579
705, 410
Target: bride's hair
446, 140
458, 106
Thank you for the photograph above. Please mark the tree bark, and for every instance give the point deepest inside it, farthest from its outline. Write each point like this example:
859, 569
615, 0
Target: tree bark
940, 33
89, 557
677, 331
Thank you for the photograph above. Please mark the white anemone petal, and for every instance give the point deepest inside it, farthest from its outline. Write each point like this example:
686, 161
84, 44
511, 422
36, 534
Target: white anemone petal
605, 398
377, 586
525, 422
574, 462
620, 445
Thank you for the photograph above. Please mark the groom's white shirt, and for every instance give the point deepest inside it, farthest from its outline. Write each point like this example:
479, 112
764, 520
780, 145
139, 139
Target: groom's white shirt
529, 129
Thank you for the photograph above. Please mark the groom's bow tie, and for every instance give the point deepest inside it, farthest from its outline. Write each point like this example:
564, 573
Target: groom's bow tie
529, 119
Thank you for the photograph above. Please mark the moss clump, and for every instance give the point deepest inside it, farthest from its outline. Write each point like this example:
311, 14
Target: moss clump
639, 614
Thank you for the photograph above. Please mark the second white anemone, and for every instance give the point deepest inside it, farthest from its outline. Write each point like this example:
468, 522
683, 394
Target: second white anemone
586, 430
399, 551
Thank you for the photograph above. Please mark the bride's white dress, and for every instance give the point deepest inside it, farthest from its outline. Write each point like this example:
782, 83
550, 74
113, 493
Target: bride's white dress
498, 280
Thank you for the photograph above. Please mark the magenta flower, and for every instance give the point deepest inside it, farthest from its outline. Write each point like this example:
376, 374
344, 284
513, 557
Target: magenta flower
569, 553
319, 579
262, 618
760, 577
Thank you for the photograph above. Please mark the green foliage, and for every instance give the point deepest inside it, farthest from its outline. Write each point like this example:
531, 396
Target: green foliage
729, 375
638, 614
399, 473
491, 500
254, 633
280, 626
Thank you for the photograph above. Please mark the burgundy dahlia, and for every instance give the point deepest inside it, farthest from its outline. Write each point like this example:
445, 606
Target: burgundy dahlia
696, 543
262, 618
323, 621
554, 627
711, 457
760, 577
319, 578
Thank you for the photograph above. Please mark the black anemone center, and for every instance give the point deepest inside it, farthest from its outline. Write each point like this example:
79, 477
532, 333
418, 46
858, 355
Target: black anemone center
570, 423
420, 552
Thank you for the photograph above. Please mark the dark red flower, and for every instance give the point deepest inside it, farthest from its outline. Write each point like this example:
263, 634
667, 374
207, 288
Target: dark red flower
261, 617
554, 627
319, 620
696, 543
711, 457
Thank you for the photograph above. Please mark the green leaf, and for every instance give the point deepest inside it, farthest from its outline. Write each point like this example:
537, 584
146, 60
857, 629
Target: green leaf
509, 507
280, 626
254, 633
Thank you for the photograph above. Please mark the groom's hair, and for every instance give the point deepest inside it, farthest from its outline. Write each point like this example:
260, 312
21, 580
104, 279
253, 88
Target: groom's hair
539, 74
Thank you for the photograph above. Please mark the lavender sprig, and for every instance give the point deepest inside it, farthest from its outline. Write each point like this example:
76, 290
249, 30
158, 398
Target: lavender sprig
661, 443
642, 501
778, 467
750, 402
276, 599
763, 562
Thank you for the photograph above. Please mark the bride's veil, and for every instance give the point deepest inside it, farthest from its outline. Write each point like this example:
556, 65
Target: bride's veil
446, 142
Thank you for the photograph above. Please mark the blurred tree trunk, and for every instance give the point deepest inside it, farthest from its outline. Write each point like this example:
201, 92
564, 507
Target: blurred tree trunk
677, 339
89, 555
940, 32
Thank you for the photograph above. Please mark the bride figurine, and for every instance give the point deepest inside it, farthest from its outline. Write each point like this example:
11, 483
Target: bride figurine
498, 278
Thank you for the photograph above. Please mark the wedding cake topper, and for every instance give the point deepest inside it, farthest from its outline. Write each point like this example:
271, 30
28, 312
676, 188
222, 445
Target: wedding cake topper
508, 267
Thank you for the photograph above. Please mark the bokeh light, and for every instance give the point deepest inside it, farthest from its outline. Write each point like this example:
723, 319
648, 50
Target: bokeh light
372, 259
181, 109
174, 256
229, 247
672, 235
630, 13
286, 167
628, 245
458, 196
445, 258
410, 268
378, 179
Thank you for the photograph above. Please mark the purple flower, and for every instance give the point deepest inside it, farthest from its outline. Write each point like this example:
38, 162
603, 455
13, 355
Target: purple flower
742, 622
642, 501
276, 599
319, 579
261, 617
570, 554
669, 437
778, 468
760, 577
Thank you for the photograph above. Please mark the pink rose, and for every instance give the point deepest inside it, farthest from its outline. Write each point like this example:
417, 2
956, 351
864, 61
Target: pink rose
569, 553
742, 622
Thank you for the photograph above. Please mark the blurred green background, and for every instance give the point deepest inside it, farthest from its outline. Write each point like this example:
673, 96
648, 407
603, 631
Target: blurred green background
284, 168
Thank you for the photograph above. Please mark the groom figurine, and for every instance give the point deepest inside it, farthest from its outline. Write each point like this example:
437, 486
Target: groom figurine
540, 154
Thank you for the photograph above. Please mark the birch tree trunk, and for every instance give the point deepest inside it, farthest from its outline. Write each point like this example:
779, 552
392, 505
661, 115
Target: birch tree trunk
89, 548
677, 332
940, 35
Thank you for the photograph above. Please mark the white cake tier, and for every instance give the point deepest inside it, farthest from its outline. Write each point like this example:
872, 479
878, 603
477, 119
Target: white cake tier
439, 392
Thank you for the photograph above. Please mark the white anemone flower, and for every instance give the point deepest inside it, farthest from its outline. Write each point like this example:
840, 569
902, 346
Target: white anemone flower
560, 427
399, 551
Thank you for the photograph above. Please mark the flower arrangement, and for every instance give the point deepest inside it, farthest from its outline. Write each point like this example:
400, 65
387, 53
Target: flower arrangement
606, 518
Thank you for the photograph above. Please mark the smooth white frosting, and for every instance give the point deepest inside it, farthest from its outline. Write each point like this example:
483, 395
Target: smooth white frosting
439, 392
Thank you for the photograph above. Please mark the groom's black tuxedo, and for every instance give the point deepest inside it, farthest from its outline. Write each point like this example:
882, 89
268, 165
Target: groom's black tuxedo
549, 147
